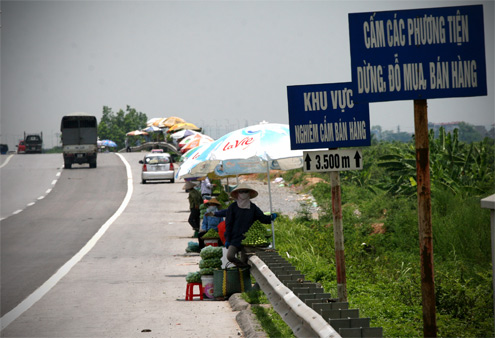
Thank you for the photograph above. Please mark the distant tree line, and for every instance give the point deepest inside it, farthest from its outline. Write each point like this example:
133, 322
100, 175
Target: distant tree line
115, 126
467, 133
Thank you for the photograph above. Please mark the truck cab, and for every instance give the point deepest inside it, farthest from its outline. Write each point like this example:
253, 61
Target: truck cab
33, 143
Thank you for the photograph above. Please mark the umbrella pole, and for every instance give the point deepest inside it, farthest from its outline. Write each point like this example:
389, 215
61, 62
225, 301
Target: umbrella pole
270, 197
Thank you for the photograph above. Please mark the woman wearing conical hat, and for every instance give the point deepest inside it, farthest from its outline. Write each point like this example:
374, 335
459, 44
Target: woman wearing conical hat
240, 216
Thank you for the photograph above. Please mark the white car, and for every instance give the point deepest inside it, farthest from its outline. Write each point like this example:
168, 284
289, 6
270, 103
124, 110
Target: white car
157, 166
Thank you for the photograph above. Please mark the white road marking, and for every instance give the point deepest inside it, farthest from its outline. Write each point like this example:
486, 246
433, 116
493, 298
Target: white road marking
39, 198
6, 161
13, 314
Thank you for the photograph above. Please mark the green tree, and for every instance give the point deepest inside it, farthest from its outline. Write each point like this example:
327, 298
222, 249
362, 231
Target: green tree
468, 133
114, 126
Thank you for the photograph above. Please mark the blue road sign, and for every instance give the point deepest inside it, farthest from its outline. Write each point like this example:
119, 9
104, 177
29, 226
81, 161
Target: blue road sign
418, 54
325, 116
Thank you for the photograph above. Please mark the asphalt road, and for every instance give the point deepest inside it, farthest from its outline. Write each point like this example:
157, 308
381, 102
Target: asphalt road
130, 283
37, 241
25, 178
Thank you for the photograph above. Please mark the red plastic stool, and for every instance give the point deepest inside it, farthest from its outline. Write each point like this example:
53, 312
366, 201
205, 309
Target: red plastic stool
190, 291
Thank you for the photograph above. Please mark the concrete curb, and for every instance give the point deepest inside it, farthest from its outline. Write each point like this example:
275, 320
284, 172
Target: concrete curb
247, 321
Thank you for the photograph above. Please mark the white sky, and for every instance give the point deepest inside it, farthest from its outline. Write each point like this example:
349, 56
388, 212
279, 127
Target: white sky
221, 65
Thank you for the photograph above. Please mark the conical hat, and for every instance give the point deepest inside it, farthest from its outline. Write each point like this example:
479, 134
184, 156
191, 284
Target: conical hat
213, 201
243, 186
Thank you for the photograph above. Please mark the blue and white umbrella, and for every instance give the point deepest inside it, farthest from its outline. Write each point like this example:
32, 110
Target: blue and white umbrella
254, 149
106, 143
152, 129
249, 150
190, 160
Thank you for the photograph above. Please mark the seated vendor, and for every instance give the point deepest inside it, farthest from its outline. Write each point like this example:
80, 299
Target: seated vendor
210, 221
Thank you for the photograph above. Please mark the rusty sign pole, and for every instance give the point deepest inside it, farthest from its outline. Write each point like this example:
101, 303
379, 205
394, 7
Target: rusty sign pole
424, 217
338, 234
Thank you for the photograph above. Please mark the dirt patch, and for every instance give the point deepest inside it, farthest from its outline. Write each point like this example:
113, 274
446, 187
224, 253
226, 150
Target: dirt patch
310, 181
378, 228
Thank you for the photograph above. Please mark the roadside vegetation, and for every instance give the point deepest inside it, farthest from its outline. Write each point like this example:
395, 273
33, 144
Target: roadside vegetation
382, 242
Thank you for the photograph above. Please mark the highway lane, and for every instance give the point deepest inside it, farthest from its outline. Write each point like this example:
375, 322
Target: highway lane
132, 282
36, 242
25, 178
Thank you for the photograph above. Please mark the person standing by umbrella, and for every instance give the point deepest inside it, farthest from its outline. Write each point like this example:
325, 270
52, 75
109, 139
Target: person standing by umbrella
206, 188
240, 216
195, 202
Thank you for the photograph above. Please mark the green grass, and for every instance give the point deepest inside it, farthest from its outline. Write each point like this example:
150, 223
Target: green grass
383, 269
383, 276
271, 322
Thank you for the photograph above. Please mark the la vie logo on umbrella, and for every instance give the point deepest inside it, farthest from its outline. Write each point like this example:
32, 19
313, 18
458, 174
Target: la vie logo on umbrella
244, 142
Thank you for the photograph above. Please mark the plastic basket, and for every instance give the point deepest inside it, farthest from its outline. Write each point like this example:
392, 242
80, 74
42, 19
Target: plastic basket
212, 242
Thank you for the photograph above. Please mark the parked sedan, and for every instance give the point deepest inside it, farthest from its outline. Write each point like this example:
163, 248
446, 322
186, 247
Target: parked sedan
157, 166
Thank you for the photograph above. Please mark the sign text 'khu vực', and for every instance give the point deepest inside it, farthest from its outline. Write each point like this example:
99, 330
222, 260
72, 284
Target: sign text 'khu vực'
325, 116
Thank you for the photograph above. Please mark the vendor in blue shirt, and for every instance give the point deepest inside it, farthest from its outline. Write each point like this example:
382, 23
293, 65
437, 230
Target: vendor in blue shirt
210, 220
241, 214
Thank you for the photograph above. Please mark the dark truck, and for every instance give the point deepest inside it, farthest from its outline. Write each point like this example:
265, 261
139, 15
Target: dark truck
34, 143
79, 139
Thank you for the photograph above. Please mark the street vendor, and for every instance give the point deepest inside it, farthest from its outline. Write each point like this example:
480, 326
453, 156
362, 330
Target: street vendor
195, 202
206, 188
241, 214
210, 220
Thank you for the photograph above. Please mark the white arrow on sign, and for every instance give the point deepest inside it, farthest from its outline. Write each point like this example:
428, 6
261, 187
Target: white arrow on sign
333, 160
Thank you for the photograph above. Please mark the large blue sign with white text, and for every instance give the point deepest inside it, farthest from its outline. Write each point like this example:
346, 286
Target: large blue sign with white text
325, 116
418, 54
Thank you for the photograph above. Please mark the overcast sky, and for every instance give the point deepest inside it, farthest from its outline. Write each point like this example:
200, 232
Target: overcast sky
221, 65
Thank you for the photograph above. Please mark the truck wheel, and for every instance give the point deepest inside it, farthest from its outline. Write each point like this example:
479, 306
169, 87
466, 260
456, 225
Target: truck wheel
67, 165
143, 181
92, 165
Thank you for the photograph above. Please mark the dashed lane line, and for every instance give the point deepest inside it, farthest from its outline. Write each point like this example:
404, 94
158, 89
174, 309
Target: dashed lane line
39, 198
13, 314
